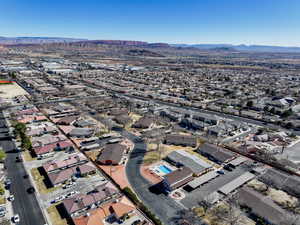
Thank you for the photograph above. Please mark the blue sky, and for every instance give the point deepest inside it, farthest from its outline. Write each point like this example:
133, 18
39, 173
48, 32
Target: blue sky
270, 22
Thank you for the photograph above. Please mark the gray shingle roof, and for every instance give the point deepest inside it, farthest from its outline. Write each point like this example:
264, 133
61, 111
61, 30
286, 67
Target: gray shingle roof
196, 164
203, 179
237, 182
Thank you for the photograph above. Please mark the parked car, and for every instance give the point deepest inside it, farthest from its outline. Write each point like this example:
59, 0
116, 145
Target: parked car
65, 186
221, 172
227, 167
31, 190
11, 198
16, 218
72, 193
58, 199
25, 176
136, 222
19, 159
2, 211
7, 183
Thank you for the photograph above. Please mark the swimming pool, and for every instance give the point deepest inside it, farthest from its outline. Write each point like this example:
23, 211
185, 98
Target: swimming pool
164, 169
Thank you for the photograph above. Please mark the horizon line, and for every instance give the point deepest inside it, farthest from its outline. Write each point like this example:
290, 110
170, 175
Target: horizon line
171, 43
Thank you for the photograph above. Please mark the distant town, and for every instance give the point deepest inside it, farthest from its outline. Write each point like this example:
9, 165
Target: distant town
136, 133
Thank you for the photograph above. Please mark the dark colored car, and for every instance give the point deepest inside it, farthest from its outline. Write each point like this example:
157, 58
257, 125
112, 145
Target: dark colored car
26, 176
137, 222
19, 159
227, 167
31, 190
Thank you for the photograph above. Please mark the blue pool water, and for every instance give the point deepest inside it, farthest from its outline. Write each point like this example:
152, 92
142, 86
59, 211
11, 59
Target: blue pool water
164, 169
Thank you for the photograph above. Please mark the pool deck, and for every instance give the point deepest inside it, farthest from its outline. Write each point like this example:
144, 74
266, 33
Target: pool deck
149, 172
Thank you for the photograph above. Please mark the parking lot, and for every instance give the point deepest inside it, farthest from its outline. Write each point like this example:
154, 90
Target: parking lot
192, 198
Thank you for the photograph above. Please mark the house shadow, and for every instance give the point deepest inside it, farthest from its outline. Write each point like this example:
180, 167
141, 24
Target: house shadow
157, 189
46, 180
63, 213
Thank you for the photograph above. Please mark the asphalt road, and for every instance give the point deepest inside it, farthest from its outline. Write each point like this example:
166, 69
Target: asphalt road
26, 205
161, 205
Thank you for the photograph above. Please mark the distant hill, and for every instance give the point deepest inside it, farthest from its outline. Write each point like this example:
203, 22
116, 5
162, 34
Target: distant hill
126, 43
49, 40
16, 41
36, 40
248, 48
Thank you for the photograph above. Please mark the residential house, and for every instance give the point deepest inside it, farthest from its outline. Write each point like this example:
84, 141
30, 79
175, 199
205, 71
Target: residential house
57, 165
177, 178
181, 140
215, 153
144, 123
81, 132
182, 158
114, 211
111, 154
84, 202
58, 146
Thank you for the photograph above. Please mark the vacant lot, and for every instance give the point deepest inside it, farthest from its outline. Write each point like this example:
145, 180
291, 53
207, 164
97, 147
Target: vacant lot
11, 90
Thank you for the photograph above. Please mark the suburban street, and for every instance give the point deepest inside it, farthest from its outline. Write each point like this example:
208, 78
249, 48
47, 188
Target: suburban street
194, 109
25, 204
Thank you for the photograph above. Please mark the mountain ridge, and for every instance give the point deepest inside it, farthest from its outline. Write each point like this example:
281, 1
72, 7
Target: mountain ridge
243, 47
211, 47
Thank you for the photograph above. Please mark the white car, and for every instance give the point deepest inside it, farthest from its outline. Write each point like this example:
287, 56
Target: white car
59, 198
16, 218
65, 186
72, 193
11, 198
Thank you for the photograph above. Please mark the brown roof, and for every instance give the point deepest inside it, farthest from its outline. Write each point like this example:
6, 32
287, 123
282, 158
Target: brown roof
176, 139
219, 153
178, 175
144, 122
82, 201
95, 218
59, 177
67, 120
111, 152
86, 168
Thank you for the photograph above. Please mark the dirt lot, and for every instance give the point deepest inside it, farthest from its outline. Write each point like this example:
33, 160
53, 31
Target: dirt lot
11, 90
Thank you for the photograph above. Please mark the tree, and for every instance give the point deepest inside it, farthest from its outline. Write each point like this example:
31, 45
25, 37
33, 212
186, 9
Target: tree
206, 203
287, 113
290, 219
26, 143
249, 104
289, 125
273, 110
229, 212
20, 129
2, 155
187, 217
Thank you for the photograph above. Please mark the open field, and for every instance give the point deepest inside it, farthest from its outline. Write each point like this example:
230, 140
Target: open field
11, 90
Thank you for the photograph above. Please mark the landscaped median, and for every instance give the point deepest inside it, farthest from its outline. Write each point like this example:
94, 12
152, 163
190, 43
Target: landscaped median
132, 196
